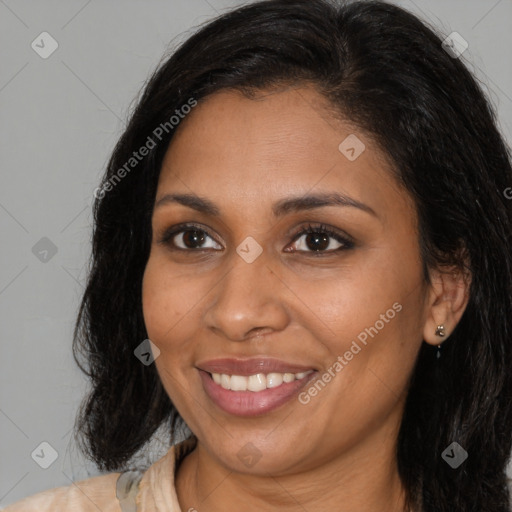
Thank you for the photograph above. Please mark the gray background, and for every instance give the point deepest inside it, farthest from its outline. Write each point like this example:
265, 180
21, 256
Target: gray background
59, 120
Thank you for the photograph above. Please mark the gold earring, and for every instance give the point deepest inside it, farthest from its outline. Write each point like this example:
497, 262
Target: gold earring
440, 330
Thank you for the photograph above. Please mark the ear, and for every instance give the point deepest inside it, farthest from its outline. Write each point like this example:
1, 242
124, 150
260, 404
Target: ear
448, 297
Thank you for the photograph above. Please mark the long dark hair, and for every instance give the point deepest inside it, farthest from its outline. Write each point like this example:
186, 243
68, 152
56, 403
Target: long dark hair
387, 72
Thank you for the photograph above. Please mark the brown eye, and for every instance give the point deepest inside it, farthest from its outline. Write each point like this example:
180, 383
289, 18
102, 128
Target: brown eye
188, 237
191, 238
321, 239
317, 241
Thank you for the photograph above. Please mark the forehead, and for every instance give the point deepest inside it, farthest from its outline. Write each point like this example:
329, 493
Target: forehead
231, 147
229, 125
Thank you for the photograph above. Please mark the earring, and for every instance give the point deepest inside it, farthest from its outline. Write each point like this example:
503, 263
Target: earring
440, 330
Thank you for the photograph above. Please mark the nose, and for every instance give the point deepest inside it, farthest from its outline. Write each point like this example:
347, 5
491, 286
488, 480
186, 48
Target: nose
248, 301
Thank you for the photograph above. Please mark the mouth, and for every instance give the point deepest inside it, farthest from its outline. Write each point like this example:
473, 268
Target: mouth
254, 386
257, 382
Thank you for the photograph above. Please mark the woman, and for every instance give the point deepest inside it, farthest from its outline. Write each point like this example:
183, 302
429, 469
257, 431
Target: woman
307, 216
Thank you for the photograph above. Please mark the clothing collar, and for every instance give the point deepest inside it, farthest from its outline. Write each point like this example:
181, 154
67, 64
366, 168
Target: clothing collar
157, 489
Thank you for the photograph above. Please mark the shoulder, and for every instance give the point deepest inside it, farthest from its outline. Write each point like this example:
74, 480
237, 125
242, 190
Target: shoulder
115, 492
86, 495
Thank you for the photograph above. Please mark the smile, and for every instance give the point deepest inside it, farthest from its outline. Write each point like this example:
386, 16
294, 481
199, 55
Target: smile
256, 394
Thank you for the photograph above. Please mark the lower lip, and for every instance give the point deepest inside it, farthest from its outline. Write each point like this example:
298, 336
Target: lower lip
250, 403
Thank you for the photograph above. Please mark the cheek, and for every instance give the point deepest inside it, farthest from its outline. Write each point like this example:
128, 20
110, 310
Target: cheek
166, 303
352, 298
153, 301
159, 301
170, 302
378, 305
385, 331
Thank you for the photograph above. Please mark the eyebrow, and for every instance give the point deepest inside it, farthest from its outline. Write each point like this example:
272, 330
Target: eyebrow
280, 208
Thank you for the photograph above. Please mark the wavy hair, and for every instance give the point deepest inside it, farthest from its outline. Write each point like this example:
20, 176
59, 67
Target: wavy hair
386, 71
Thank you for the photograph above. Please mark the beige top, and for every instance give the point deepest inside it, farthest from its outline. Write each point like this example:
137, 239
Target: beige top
116, 492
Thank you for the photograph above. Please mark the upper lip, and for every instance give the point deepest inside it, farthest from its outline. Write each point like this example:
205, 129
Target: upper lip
247, 367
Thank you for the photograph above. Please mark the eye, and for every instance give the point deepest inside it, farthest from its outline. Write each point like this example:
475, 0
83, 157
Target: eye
187, 237
322, 239
318, 240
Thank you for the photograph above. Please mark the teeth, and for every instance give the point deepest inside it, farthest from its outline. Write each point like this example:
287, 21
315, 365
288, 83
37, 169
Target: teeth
225, 381
237, 382
275, 379
257, 382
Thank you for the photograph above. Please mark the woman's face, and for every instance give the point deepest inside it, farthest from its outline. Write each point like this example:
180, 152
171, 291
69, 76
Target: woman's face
237, 291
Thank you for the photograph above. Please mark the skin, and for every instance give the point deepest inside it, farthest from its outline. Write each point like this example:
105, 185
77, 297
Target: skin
337, 452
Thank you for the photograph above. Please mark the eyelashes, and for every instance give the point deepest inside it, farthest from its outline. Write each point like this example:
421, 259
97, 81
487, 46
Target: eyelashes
321, 229
199, 234
318, 235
